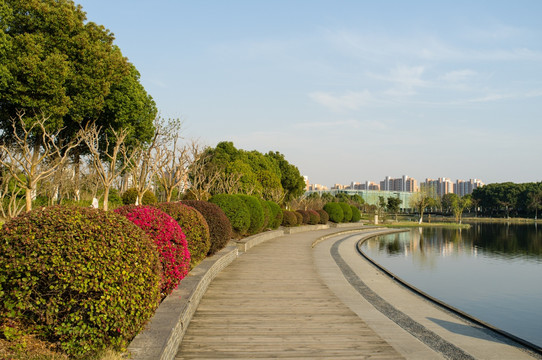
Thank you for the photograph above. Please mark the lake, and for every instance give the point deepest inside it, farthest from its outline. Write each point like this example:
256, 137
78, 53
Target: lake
490, 271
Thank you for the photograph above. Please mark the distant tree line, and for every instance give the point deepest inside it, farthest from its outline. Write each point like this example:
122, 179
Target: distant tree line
509, 199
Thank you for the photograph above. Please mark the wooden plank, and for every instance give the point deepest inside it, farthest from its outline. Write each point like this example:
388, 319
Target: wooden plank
270, 303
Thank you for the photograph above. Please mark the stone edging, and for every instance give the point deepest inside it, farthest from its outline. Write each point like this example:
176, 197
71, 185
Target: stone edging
161, 337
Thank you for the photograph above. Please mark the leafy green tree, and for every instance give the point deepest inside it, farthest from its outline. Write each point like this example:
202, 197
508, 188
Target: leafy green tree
290, 178
458, 205
535, 201
423, 199
394, 205
57, 66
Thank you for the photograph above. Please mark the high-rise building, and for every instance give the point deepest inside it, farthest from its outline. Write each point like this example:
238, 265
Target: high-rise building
463, 188
400, 184
442, 186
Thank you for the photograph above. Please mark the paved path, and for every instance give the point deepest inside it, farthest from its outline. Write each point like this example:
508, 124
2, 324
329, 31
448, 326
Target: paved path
271, 303
283, 299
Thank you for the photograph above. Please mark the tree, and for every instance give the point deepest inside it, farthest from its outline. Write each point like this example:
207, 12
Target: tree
290, 178
423, 199
113, 165
172, 167
35, 163
458, 205
57, 65
535, 201
394, 205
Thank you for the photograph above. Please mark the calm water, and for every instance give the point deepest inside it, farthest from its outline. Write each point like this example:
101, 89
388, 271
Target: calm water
491, 271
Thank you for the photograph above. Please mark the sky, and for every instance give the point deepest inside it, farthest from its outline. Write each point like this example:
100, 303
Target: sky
347, 90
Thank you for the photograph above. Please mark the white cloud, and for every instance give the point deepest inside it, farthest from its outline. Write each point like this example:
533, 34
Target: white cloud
458, 75
349, 101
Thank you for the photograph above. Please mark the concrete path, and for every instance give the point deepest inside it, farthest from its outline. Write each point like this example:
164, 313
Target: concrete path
284, 299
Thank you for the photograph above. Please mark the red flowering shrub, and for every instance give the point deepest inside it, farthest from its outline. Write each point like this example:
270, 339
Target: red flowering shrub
314, 217
168, 238
324, 216
194, 227
83, 278
289, 218
219, 224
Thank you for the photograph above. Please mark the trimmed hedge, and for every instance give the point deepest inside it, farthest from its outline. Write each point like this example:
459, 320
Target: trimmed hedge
324, 217
219, 224
314, 217
83, 278
194, 227
266, 215
256, 213
335, 212
129, 197
347, 211
299, 217
305, 216
236, 211
356, 214
289, 218
276, 214
168, 238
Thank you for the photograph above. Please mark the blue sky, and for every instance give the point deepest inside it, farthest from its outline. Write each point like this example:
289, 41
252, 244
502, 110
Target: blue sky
348, 90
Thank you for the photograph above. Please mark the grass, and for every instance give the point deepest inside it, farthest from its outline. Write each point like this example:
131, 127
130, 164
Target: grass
412, 224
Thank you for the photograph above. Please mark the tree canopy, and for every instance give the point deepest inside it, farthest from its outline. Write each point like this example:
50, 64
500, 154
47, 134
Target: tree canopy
60, 67
270, 175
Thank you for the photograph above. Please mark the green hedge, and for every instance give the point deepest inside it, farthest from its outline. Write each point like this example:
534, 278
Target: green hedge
236, 211
256, 213
129, 197
79, 277
347, 211
356, 214
276, 215
335, 212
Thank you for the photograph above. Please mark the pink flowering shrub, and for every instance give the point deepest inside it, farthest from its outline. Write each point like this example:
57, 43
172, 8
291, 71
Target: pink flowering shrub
168, 238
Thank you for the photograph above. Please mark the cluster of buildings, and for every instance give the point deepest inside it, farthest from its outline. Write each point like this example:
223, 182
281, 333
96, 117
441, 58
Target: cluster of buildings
442, 186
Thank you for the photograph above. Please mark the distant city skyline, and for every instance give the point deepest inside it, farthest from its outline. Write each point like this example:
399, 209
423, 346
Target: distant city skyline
347, 89
404, 183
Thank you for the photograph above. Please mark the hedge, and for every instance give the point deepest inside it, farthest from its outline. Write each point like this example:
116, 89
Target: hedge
276, 214
256, 213
335, 212
356, 214
194, 227
168, 238
347, 211
324, 217
236, 211
219, 225
289, 218
84, 278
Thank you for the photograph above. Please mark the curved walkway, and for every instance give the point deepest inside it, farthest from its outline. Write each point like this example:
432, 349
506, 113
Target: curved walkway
283, 299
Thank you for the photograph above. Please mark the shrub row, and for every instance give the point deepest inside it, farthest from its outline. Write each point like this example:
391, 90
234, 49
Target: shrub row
88, 279
248, 215
342, 212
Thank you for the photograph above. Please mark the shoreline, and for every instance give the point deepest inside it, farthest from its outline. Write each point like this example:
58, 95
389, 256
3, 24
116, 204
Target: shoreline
474, 340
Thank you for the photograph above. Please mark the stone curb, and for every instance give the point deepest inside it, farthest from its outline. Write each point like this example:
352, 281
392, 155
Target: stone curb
161, 337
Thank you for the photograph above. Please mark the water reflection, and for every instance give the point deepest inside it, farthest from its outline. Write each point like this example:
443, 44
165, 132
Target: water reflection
508, 241
491, 271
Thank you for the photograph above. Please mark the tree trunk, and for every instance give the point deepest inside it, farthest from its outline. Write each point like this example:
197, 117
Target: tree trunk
77, 174
106, 198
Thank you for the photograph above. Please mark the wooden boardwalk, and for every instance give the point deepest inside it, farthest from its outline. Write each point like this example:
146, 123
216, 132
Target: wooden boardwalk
271, 303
